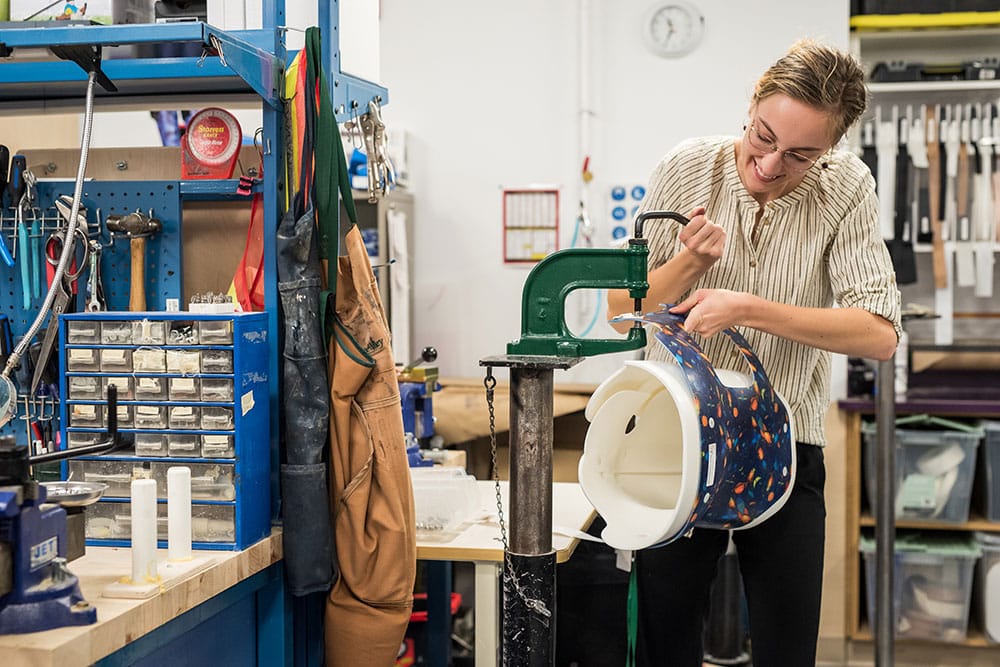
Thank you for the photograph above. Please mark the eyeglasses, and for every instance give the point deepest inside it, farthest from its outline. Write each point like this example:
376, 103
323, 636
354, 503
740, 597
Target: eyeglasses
790, 159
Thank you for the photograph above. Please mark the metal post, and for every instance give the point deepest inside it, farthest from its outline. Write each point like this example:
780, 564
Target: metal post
531, 395
885, 516
529, 578
437, 575
529, 591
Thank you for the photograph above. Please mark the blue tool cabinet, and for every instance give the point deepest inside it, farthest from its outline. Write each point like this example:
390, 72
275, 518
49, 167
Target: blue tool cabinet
193, 391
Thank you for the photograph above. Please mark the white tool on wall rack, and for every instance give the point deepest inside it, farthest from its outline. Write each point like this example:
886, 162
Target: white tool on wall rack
984, 221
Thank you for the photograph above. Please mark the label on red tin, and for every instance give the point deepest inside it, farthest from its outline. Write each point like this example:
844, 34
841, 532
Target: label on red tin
211, 145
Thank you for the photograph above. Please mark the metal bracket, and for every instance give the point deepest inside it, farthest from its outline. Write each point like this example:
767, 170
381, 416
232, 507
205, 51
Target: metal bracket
543, 322
87, 56
351, 93
263, 71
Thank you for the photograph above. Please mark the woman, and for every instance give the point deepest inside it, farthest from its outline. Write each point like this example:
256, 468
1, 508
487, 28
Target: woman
783, 228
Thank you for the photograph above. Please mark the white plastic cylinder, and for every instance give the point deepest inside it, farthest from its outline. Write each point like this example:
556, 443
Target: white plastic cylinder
179, 513
144, 531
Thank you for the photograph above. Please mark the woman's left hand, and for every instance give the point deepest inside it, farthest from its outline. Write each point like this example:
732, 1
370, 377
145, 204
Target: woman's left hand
709, 311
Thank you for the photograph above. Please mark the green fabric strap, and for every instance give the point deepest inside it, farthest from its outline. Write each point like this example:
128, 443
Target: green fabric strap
632, 617
331, 163
330, 174
350, 345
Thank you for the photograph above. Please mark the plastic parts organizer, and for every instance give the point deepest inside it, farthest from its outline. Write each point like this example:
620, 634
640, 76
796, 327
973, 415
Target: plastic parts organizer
193, 391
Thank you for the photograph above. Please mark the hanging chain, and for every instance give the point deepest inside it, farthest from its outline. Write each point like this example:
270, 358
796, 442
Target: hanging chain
490, 383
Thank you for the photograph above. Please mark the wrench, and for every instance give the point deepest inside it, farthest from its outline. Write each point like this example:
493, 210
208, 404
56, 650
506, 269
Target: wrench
95, 290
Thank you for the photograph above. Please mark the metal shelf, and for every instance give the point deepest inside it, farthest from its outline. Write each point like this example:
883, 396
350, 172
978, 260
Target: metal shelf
933, 86
215, 190
60, 84
245, 70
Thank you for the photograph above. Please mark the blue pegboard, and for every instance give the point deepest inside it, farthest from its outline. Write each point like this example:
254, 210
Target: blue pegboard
160, 199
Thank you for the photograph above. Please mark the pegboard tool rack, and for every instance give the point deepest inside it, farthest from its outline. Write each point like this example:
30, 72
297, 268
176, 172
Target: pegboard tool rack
236, 66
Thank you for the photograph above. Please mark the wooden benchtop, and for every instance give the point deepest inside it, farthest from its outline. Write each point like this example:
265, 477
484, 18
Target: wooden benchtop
121, 621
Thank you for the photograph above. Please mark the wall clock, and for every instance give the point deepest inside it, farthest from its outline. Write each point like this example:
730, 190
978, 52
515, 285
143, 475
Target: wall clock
672, 29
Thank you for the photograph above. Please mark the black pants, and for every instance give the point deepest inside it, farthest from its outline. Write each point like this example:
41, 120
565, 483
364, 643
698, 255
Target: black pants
781, 562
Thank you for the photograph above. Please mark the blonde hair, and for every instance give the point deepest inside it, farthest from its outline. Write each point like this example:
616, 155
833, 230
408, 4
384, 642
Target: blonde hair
821, 76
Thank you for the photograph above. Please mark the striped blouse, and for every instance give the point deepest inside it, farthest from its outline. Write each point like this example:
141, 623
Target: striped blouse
816, 246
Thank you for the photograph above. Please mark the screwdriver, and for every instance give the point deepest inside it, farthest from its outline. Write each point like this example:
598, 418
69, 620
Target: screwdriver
15, 179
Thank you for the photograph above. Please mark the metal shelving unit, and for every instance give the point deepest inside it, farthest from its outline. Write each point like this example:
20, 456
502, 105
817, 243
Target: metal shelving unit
237, 67
244, 65
930, 46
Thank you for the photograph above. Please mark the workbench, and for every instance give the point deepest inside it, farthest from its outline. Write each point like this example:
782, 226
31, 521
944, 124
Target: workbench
462, 420
479, 542
217, 612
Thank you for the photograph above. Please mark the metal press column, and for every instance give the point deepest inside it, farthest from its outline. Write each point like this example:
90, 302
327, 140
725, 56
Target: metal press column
885, 516
529, 600
529, 581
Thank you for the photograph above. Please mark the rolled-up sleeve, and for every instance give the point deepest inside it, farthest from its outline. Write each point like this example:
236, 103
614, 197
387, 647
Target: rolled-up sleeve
861, 272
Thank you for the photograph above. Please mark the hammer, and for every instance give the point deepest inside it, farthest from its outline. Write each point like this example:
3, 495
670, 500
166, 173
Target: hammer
138, 227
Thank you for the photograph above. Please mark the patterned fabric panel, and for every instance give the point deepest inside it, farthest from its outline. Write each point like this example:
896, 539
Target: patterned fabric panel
746, 432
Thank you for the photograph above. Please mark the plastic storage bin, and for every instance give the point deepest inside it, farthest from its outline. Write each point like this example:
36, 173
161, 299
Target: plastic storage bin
987, 591
933, 584
443, 498
991, 470
935, 468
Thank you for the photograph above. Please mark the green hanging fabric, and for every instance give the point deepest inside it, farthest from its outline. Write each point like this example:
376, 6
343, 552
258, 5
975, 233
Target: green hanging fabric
331, 163
632, 617
331, 174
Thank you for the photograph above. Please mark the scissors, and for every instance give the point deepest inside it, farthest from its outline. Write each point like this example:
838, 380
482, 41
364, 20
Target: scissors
53, 251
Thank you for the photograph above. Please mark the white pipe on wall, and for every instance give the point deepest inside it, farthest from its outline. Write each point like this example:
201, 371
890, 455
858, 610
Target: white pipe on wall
585, 107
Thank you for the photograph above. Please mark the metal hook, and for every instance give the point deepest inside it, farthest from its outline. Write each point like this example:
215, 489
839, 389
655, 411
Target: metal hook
357, 139
283, 29
258, 137
217, 45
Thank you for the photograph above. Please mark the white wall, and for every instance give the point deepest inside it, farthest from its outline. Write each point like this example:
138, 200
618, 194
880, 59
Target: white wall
490, 97
489, 94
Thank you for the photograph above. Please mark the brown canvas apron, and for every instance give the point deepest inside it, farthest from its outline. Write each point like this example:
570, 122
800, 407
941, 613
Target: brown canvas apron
368, 608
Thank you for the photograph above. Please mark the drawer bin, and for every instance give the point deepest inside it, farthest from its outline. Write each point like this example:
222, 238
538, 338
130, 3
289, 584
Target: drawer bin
986, 595
934, 472
991, 470
933, 584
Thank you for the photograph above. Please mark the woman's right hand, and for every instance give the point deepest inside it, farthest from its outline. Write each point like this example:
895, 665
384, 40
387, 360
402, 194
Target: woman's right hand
703, 240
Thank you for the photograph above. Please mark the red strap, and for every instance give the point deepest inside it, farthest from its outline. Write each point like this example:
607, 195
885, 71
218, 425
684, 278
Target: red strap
248, 280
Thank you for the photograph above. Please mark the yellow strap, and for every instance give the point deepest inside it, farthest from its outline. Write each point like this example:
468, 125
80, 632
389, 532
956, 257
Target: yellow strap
942, 20
291, 79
